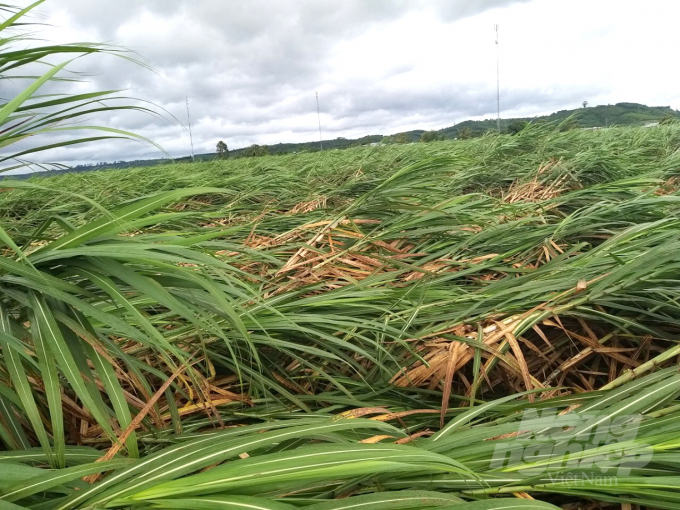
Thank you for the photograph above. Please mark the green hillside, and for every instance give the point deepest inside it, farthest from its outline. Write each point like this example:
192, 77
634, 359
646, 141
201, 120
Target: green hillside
620, 114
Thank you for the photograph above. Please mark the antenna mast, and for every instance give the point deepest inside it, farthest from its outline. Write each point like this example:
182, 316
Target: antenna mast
191, 137
498, 83
318, 113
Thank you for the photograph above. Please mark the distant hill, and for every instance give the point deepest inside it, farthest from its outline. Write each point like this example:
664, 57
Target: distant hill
620, 114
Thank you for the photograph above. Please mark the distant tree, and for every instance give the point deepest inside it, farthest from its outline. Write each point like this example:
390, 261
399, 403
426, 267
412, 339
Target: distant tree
222, 150
585, 103
516, 126
255, 151
465, 133
668, 119
400, 138
430, 136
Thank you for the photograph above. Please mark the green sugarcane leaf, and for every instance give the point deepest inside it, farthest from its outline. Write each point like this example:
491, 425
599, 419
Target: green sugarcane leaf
390, 500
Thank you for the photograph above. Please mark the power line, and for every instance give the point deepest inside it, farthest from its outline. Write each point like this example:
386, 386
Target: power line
191, 137
498, 83
318, 113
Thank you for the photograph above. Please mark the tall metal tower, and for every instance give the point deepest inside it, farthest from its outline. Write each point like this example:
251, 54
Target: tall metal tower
191, 137
318, 113
498, 83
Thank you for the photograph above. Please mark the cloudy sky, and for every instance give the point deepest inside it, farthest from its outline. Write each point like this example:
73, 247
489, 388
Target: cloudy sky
251, 68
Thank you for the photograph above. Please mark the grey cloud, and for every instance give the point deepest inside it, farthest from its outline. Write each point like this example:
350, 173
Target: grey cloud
250, 70
458, 10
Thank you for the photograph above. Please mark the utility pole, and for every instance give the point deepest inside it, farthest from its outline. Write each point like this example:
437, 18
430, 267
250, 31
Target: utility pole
318, 113
191, 137
498, 83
